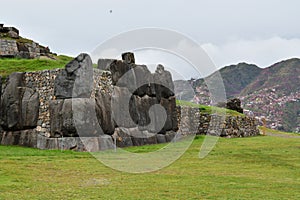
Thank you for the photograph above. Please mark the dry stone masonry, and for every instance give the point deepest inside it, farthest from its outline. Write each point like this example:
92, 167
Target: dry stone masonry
14, 46
88, 109
193, 121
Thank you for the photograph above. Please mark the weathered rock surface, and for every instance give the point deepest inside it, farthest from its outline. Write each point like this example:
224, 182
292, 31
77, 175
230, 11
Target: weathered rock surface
163, 83
104, 64
55, 109
91, 144
76, 81
124, 111
171, 120
234, 104
123, 75
104, 113
144, 113
19, 104
73, 118
143, 79
30, 108
122, 137
128, 58
26, 138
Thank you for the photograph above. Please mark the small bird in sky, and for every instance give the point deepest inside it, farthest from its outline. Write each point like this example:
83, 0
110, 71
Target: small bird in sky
110, 11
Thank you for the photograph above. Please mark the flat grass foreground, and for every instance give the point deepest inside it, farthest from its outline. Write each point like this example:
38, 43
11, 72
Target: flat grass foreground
263, 167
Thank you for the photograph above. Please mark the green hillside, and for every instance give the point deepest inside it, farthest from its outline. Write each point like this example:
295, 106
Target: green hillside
235, 78
284, 76
261, 167
10, 65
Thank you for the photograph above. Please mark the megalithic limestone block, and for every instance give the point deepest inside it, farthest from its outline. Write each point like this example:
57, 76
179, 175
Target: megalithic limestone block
76, 80
30, 108
19, 105
104, 112
104, 64
124, 111
122, 75
143, 80
77, 117
164, 85
55, 109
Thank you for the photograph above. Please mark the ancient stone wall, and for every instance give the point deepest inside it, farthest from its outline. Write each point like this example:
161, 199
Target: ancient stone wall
13, 46
8, 48
193, 121
128, 104
43, 83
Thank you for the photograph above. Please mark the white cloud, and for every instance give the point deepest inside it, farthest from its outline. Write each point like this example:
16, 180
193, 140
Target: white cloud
262, 52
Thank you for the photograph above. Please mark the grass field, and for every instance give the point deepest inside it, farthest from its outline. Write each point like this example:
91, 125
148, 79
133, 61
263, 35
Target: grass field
263, 167
209, 109
10, 65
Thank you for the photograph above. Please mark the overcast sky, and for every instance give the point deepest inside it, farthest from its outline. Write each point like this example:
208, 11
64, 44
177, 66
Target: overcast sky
231, 31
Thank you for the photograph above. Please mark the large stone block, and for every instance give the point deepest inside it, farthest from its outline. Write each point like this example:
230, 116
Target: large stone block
104, 112
164, 85
76, 118
106, 142
30, 108
143, 80
19, 105
124, 110
147, 113
170, 106
122, 75
11, 109
104, 64
55, 109
76, 81
28, 138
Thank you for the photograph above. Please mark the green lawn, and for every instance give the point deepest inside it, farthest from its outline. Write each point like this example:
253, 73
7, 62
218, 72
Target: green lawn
10, 65
264, 167
209, 109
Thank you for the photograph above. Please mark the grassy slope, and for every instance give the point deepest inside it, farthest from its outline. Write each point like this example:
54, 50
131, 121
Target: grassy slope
243, 168
209, 109
8, 65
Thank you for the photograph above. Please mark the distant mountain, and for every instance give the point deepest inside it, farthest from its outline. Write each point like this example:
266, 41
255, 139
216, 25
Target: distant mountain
237, 77
267, 92
284, 76
234, 77
275, 94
